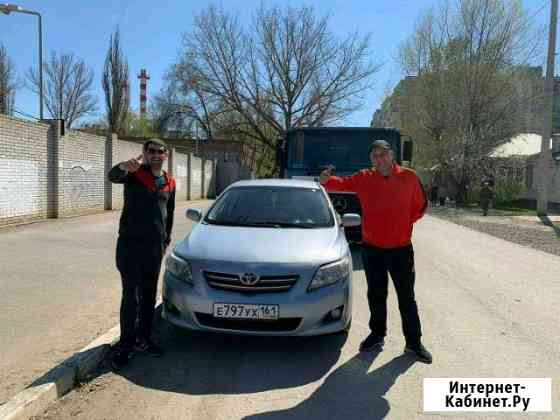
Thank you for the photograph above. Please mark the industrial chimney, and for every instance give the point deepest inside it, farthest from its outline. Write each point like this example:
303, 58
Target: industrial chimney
143, 76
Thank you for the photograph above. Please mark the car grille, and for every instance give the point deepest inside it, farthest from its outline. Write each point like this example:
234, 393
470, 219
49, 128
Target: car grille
266, 284
280, 325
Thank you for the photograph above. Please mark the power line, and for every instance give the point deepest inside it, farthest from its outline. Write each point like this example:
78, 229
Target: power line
538, 11
17, 111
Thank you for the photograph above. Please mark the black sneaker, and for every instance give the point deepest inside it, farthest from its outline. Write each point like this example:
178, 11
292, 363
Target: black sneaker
120, 359
420, 352
148, 347
372, 342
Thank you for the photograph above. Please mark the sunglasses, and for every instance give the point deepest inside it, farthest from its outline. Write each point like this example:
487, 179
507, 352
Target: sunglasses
158, 151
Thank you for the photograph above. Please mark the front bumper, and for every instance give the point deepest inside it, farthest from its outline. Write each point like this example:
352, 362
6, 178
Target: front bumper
301, 313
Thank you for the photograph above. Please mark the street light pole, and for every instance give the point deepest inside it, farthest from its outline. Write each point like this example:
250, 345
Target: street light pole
12, 8
544, 158
40, 65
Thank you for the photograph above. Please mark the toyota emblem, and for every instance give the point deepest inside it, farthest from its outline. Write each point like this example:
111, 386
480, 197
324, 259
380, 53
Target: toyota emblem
249, 279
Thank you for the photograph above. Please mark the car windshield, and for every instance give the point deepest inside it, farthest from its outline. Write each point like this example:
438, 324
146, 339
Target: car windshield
272, 207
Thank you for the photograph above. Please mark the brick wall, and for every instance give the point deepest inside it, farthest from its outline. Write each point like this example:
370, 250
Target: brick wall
82, 186
23, 170
209, 179
125, 150
181, 162
45, 172
196, 178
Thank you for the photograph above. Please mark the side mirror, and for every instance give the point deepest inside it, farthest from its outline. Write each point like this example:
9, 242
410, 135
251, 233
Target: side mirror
407, 150
351, 219
194, 214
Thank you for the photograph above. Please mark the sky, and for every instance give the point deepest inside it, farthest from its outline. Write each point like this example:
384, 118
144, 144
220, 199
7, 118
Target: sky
151, 36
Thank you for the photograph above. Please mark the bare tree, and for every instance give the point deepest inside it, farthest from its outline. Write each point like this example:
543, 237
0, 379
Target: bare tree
115, 84
67, 89
469, 64
184, 107
8, 85
286, 70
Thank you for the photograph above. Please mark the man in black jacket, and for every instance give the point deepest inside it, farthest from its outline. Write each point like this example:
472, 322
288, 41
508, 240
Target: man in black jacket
144, 234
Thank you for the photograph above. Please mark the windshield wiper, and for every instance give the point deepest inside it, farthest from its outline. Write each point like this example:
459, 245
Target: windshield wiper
224, 223
263, 224
244, 224
271, 224
284, 224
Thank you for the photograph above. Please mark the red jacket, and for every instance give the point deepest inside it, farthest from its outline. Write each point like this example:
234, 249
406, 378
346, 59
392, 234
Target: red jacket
390, 205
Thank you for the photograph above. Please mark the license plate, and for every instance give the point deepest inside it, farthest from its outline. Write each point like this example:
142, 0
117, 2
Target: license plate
243, 311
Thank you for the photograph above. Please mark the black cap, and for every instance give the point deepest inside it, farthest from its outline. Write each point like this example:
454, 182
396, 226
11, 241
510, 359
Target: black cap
381, 144
156, 142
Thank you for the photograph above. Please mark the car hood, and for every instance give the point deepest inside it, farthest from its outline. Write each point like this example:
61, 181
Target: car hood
262, 245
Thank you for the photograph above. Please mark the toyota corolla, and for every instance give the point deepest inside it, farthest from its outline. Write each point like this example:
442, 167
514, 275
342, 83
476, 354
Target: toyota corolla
269, 257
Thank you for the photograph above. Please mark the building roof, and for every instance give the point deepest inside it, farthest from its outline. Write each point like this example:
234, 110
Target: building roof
521, 145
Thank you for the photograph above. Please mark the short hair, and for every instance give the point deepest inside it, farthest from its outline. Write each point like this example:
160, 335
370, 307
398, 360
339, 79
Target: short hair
156, 142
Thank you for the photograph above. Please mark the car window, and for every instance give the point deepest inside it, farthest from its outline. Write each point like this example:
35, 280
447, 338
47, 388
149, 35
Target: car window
300, 207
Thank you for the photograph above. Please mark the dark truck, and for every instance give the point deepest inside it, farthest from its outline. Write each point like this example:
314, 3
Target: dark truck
306, 152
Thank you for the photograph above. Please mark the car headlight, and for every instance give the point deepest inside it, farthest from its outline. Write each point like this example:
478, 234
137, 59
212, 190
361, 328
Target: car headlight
179, 268
330, 274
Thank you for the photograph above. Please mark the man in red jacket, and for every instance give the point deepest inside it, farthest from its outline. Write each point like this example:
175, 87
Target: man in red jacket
392, 199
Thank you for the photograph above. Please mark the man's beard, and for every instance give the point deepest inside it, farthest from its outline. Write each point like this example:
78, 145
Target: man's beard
385, 170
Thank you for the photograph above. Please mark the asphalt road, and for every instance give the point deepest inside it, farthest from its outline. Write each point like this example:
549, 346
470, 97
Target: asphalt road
489, 308
60, 290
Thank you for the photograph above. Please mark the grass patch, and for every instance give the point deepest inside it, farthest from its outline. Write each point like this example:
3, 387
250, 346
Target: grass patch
516, 211
506, 209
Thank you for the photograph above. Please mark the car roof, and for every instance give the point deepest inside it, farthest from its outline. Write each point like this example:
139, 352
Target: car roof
270, 182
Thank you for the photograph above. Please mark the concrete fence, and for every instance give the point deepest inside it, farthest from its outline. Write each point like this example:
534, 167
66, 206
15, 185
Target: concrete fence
48, 172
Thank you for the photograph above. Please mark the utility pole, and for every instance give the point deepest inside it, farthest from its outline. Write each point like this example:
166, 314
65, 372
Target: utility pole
545, 156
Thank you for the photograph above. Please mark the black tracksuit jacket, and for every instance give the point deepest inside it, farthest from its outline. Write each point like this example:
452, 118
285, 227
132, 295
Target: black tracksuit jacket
147, 214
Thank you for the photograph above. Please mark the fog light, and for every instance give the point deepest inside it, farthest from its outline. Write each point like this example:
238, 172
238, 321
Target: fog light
169, 307
336, 313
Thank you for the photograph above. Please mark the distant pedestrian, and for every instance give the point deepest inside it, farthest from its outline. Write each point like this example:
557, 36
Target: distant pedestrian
486, 197
434, 195
442, 195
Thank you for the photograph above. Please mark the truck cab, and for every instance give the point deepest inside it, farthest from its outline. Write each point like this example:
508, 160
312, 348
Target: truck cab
306, 152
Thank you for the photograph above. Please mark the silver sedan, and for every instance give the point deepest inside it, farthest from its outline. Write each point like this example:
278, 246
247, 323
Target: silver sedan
269, 258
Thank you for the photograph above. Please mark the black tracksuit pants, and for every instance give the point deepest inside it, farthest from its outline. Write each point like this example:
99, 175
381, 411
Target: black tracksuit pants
139, 264
399, 262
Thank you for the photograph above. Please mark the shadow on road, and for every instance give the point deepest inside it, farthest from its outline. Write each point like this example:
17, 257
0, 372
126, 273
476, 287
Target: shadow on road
203, 364
210, 364
349, 392
357, 257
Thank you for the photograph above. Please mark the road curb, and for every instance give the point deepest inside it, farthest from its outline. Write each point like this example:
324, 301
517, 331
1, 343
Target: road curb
59, 380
